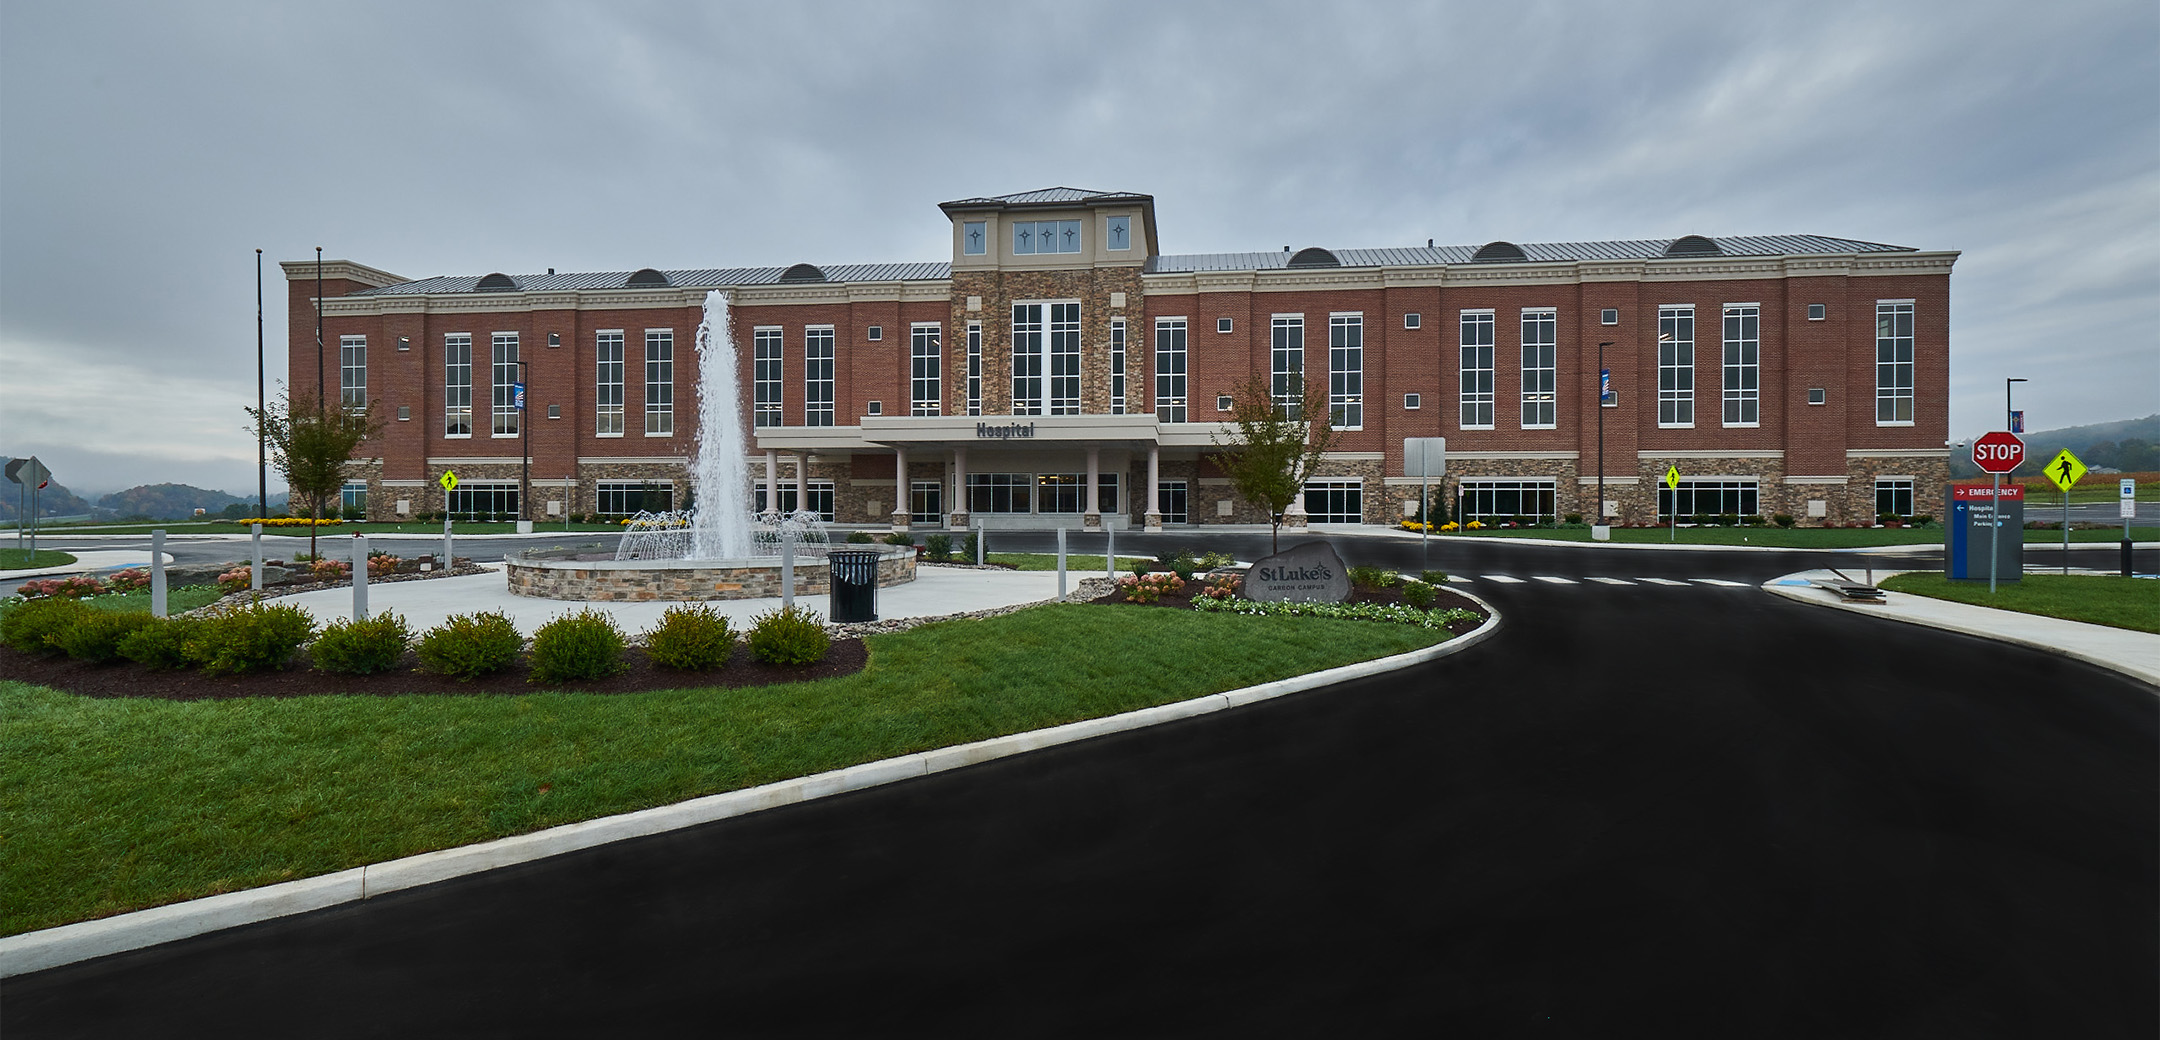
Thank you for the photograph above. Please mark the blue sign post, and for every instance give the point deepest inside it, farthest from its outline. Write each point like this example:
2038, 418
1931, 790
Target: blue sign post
517, 396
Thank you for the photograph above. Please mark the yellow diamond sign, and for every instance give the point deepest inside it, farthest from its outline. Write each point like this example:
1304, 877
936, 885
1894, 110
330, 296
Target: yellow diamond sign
2064, 470
1672, 477
448, 480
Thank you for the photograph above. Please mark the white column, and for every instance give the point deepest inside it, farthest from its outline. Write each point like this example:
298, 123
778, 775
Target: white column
1090, 507
802, 480
1154, 487
772, 482
959, 511
900, 490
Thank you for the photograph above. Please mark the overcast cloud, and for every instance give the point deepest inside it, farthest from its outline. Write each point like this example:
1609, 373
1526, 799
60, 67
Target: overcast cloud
147, 150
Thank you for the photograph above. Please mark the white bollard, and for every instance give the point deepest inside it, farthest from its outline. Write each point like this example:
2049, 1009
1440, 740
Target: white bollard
255, 577
359, 577
787, 573
1061, 565
1110, 552
979, 540
448, 562
157, 574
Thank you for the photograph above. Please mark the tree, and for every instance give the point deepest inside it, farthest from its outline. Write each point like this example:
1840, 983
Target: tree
310, 444
1279, 441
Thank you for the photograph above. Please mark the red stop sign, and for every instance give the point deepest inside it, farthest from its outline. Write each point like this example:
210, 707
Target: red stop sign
1998, 452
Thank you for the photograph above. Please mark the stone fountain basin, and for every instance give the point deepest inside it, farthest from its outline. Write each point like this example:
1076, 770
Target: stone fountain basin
583, 575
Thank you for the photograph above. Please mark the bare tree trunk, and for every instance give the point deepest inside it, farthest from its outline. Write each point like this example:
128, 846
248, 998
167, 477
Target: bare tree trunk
315, 515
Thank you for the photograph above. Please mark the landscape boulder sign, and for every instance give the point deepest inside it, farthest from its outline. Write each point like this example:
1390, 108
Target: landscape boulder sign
1308, 573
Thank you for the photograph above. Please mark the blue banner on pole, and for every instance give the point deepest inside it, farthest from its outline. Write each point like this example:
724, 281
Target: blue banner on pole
2017, 422
517, 396
1604, 385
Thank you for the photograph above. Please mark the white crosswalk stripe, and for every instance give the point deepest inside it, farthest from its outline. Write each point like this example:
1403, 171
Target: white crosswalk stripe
1612, 581
1556, 581
1721, 581
1661, 581
1505, 579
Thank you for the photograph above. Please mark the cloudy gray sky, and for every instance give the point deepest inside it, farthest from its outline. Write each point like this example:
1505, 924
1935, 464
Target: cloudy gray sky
147, 149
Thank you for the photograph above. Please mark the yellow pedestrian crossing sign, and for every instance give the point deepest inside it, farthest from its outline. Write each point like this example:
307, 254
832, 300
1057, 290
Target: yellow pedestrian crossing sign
2064, 470
1672, 477
448, 480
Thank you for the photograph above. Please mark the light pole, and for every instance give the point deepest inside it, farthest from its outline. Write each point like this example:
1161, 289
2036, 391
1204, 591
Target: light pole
262, 453
1604, 392
319, 399
524, 446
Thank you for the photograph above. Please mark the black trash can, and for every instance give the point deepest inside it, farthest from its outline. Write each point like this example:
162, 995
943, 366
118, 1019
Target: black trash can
854, 584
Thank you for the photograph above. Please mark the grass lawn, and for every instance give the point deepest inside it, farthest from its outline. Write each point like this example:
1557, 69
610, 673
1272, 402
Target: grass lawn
177, 600
1792, 537
23, 559
115, 805
1075, 563
414, 527
2132, 603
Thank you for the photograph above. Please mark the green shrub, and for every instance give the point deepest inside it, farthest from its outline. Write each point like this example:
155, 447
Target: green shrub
860, 538
1210, 561
938, 547
1782, 519
1434, 578
900, 538
160, 645
584, 645
467, 646
789, 635
1574, 518
692, 637
362, 647
1374, 578
967, 547
37, 627
254, 638
1418, 594
96, 636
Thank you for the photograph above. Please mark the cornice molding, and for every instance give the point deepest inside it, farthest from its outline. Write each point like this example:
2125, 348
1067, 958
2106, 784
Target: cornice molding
1714, 453
373, 277
1502, 456
1897, 453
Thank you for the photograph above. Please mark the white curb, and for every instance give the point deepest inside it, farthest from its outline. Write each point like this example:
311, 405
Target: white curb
67, 944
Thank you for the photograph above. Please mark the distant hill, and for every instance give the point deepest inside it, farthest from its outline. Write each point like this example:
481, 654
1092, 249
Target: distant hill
55, 500
170, 502
2128, 445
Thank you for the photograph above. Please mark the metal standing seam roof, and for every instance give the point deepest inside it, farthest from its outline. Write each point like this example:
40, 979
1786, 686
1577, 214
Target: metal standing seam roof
1045, 196
1185, 263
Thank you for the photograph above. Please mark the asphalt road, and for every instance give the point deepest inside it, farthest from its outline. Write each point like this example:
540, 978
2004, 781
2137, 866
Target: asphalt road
1671, 810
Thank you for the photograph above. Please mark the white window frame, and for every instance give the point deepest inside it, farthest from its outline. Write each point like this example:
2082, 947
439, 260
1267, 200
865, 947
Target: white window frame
1693, 487
821, 362
1476, 335
1027, 364
1742, 366
974, 367
457, 393
926, 368
1061, 362
608, 383
1540, 368
1346, 370
768, 375
1117, 366
1114, 227
974, 238
1894, 378
1286, 359
1331, 486
1481, 498
659, 382
1897, 485
352, 373
1676, 366
503, 370
1172, 341
1066, 237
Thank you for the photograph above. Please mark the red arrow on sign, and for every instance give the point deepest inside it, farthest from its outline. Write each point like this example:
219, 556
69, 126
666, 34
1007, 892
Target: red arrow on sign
1998, 452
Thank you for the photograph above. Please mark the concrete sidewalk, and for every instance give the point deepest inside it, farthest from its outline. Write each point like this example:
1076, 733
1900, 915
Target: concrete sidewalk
91, 562
936, 591
2136, 654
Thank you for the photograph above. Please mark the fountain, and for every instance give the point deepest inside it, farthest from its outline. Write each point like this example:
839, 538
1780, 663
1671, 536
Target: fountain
722, 548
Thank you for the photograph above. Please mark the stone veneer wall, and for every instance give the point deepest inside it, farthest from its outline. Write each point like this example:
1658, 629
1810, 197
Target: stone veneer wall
670, 580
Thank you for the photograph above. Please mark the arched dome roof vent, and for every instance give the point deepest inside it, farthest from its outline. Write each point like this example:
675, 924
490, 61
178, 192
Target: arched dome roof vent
646, 277
1497, 251
497, 282
802, 273
1314, 256
1693, 245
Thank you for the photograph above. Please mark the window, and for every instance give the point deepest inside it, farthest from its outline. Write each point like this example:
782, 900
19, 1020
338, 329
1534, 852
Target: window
1222, 324
874, 408
1346, 371
820, 493
1894, 363
1065, 359
1106, 496
1817, 312
1060, 492
1119, 232
1335, 501
352, 373
1743, 364
505, 373
1170, 501
819, 498
876, 333
1609, 316
974, 238
404, 413
1477, 371
786, 502
1000, 492
1286, 369
1027, 360
1170, 369
926, 502
974, 368
1222, 402
1676, 366
1708, 498
1818, 395
926, 366
1540, 338
630, 497
818, 375
481, 498
352, 497
1500, 501
608, 384
766, 367
1413, 321
1411, 402
1046, 236
1117, 366
1894, 496
457, 385
659, 382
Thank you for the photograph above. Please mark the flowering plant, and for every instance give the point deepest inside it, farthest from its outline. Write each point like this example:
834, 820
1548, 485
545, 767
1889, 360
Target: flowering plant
330, 570
292, 521
134, 579
236, 579
1223, 586
1449, 526
1147, 588
74, 586
381, 566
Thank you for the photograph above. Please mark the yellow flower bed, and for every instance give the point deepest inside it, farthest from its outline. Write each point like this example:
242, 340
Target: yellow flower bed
292, 521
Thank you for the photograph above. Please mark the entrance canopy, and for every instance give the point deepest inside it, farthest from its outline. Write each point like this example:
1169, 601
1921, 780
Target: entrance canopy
994, 431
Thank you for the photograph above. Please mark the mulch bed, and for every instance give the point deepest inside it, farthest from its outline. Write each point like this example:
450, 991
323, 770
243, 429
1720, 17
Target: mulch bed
127, 679
1443, 599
